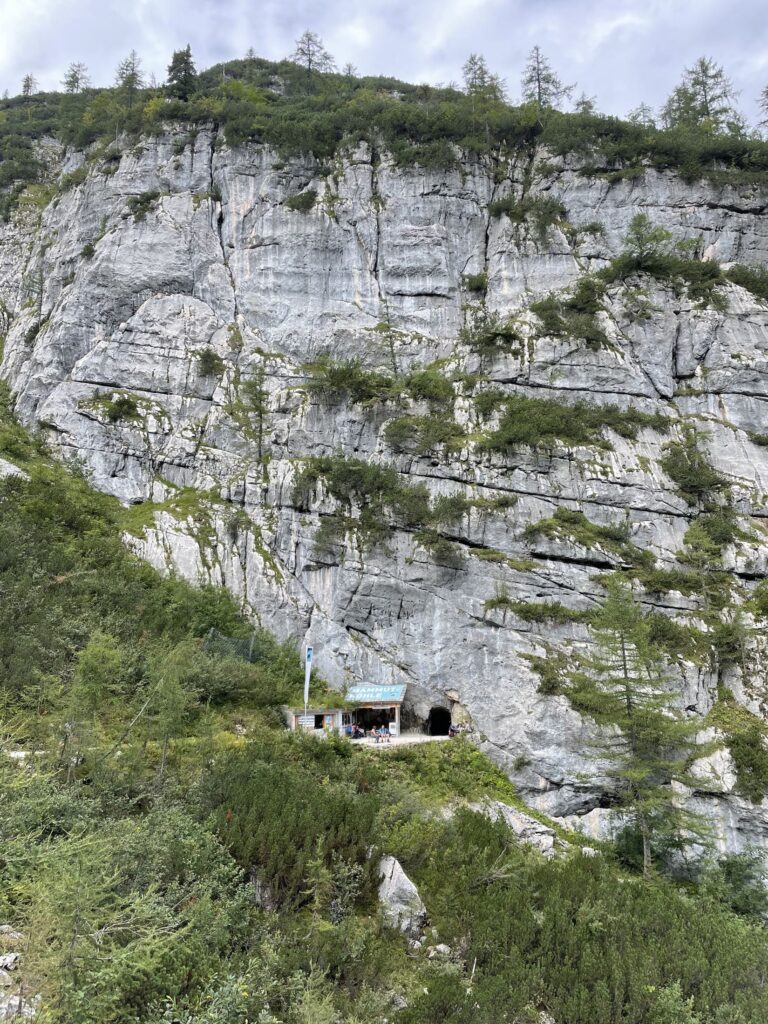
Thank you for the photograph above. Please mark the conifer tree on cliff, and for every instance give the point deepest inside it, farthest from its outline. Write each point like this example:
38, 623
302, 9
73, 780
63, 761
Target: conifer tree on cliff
182, 76
540, 83
649, 743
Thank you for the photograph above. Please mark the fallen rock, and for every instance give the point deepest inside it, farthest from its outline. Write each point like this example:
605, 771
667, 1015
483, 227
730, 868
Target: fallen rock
8, 961
441, 949
402, 906
527, 829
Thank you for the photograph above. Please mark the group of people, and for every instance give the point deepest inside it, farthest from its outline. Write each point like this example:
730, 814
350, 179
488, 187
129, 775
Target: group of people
380, 734
458, 730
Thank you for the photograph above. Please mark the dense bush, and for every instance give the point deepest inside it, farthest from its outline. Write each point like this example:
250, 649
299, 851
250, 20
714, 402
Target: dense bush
687, 466
542, 423
575, 316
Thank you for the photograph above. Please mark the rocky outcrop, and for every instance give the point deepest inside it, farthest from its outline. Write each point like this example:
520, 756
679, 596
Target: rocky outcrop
156, 306
401, 904
525, 828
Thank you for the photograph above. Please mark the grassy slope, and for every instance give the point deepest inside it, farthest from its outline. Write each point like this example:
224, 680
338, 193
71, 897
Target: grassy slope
132, 872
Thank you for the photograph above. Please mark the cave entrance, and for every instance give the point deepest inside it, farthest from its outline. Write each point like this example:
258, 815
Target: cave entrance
438, 721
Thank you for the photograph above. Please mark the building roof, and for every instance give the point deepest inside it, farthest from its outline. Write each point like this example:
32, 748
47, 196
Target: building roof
366, 693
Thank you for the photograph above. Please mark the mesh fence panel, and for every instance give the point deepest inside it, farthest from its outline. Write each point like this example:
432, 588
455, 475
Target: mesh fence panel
253, 648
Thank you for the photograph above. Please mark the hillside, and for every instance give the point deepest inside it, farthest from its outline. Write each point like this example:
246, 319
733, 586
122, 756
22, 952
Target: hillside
171, 853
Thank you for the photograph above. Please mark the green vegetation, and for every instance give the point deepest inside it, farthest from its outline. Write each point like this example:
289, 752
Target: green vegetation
747, 740
319, 111
489, 336
139, 206
543, 212
574, 317
543, 423
160, 863
350, 379
623, 682
302, 202
422, 435
754, 279
476, 282
688, 467
374, 498
650, 250
209, 363
572, 523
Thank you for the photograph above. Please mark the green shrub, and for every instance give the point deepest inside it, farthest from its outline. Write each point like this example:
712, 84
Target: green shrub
209, 363
420, 435
302, 202
574, 524
687, 466
574, 317
139, 206
754, 279
88, 251
542, 423
650, 250
121, 407
476, 282
542, 211
351, 379
486, 334
429, 385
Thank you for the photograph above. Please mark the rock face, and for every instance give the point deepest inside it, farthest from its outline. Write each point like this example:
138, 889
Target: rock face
527, 829
399, 898
156, 307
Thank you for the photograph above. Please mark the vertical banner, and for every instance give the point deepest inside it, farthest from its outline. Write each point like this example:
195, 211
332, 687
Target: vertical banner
307, 673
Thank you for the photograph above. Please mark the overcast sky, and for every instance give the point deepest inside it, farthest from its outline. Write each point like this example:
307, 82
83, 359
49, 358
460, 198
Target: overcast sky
621, 51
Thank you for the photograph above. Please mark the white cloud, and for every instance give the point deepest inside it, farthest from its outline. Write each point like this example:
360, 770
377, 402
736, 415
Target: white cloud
623, 52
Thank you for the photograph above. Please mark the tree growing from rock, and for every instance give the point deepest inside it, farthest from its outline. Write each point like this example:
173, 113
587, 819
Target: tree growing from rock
540, 83
622, 682
705, 99
182, 76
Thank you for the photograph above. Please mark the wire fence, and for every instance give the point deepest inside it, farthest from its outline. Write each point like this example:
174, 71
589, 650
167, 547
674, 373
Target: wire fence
254, 648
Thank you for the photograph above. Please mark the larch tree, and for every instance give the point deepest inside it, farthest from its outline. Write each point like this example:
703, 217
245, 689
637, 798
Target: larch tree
76, 78
129, 77
649, 743
763, 104
642, 115
705, 99
312, 55
540, 83
182, 75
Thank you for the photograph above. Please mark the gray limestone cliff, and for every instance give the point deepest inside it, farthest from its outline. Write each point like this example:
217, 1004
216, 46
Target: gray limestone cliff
140, 303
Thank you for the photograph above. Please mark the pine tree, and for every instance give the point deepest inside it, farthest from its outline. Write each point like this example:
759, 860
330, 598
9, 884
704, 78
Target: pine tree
763, 104
705, 99
129, 77
76, 78
311, 54
182, 76
28, 85
541, 85
623, 681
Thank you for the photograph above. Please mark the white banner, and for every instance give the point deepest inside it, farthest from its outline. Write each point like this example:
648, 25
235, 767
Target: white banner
307, 673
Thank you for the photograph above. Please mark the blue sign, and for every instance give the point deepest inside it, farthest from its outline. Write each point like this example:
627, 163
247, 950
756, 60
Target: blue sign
367, 693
